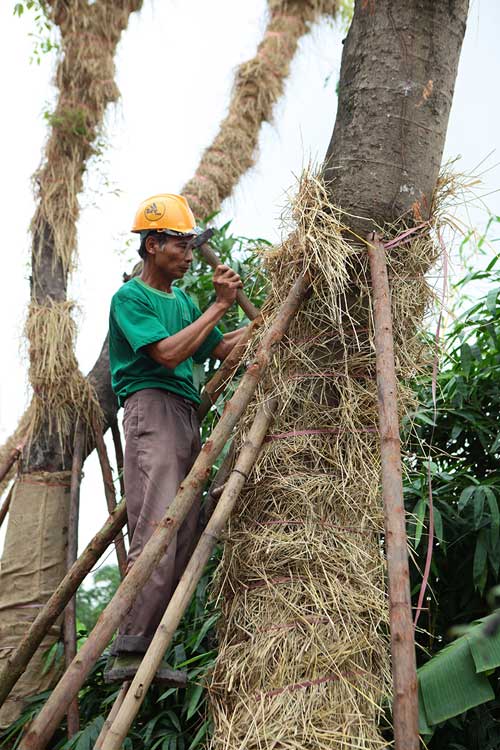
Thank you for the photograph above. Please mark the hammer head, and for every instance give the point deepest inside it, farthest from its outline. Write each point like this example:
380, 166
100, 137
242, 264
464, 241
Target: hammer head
200, 239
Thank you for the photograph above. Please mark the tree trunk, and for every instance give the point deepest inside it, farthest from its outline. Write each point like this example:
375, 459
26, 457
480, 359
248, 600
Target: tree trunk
303, 615
34, 555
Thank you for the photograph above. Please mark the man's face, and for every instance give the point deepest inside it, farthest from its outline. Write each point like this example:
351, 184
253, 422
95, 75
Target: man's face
172, 256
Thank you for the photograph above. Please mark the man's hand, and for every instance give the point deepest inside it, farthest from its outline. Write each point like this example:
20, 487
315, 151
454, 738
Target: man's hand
226, 283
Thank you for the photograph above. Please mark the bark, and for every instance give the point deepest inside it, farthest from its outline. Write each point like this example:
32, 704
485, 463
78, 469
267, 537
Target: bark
189, 580
397, 78
46, 722
90, 33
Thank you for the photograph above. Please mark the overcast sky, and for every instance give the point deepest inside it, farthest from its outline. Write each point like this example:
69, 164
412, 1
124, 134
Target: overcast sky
191, 48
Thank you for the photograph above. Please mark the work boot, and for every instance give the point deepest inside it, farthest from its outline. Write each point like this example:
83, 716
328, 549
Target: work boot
124, 665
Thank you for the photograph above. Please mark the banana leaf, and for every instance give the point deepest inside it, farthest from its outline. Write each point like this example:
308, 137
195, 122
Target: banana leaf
456, 678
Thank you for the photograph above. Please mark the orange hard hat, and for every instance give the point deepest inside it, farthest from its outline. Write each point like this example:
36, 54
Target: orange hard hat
167, 213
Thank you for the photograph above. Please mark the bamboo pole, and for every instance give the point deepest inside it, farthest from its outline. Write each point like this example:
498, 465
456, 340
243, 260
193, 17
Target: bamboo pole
10, 461
217, 486
4, 509
109, 491
112, 714
43, 727
216, 385
189, 580
405, 700
16, 663
117, 442
73, 715
213, 261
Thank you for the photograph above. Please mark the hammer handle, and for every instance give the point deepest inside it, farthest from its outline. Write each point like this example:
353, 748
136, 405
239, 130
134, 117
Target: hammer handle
213, 260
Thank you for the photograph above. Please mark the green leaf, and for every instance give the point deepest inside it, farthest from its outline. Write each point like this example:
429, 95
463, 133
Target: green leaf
465, 496
479, 565
450, 684
478, 506
419, 511
200, 734
466, 358
494, 513
491, 301
195, 694
438, 525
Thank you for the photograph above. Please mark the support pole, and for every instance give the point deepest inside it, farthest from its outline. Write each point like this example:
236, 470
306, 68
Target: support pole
109, 491
405, 700
189, 580
44, 725
4, 509
112, 715
117, 442
16, 663
73, 716
10, 461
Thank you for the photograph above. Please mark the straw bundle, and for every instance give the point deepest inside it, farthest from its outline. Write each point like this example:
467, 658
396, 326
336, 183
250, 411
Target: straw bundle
61, 394
259, 83
85, 79
304, 653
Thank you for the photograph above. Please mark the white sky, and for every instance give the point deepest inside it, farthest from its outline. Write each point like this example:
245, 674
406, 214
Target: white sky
189, 49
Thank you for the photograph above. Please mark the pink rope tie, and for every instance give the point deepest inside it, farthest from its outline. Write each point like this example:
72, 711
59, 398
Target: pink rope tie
326, 524
300, 433
309, 683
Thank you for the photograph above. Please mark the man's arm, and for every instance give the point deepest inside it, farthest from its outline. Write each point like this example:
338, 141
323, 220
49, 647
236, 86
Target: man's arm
228, 343
174, 349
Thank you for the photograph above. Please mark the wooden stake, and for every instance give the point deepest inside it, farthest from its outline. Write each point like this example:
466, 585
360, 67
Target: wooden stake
10, 461
405, 700
16, 663
112, 714
117, 442
44, 725
73, 715
109, 491
189, 580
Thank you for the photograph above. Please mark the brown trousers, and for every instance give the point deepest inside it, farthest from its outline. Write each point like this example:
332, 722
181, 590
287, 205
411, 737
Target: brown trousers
162, 435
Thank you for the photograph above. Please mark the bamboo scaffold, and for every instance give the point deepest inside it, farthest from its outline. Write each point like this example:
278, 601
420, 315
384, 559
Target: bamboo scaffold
47, 721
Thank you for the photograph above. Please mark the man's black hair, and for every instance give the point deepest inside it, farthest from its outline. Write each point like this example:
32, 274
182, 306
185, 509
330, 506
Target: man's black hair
162, 238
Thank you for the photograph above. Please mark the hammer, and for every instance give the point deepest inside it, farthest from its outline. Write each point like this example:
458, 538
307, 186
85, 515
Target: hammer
200, 242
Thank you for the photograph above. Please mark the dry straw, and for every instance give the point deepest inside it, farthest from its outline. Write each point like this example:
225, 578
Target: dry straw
61, 395
259, 83
304, 650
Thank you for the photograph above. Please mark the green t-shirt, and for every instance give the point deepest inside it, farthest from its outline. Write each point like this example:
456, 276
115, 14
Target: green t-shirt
141, 315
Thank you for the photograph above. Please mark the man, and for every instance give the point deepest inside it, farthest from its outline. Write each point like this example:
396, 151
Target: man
156, 332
